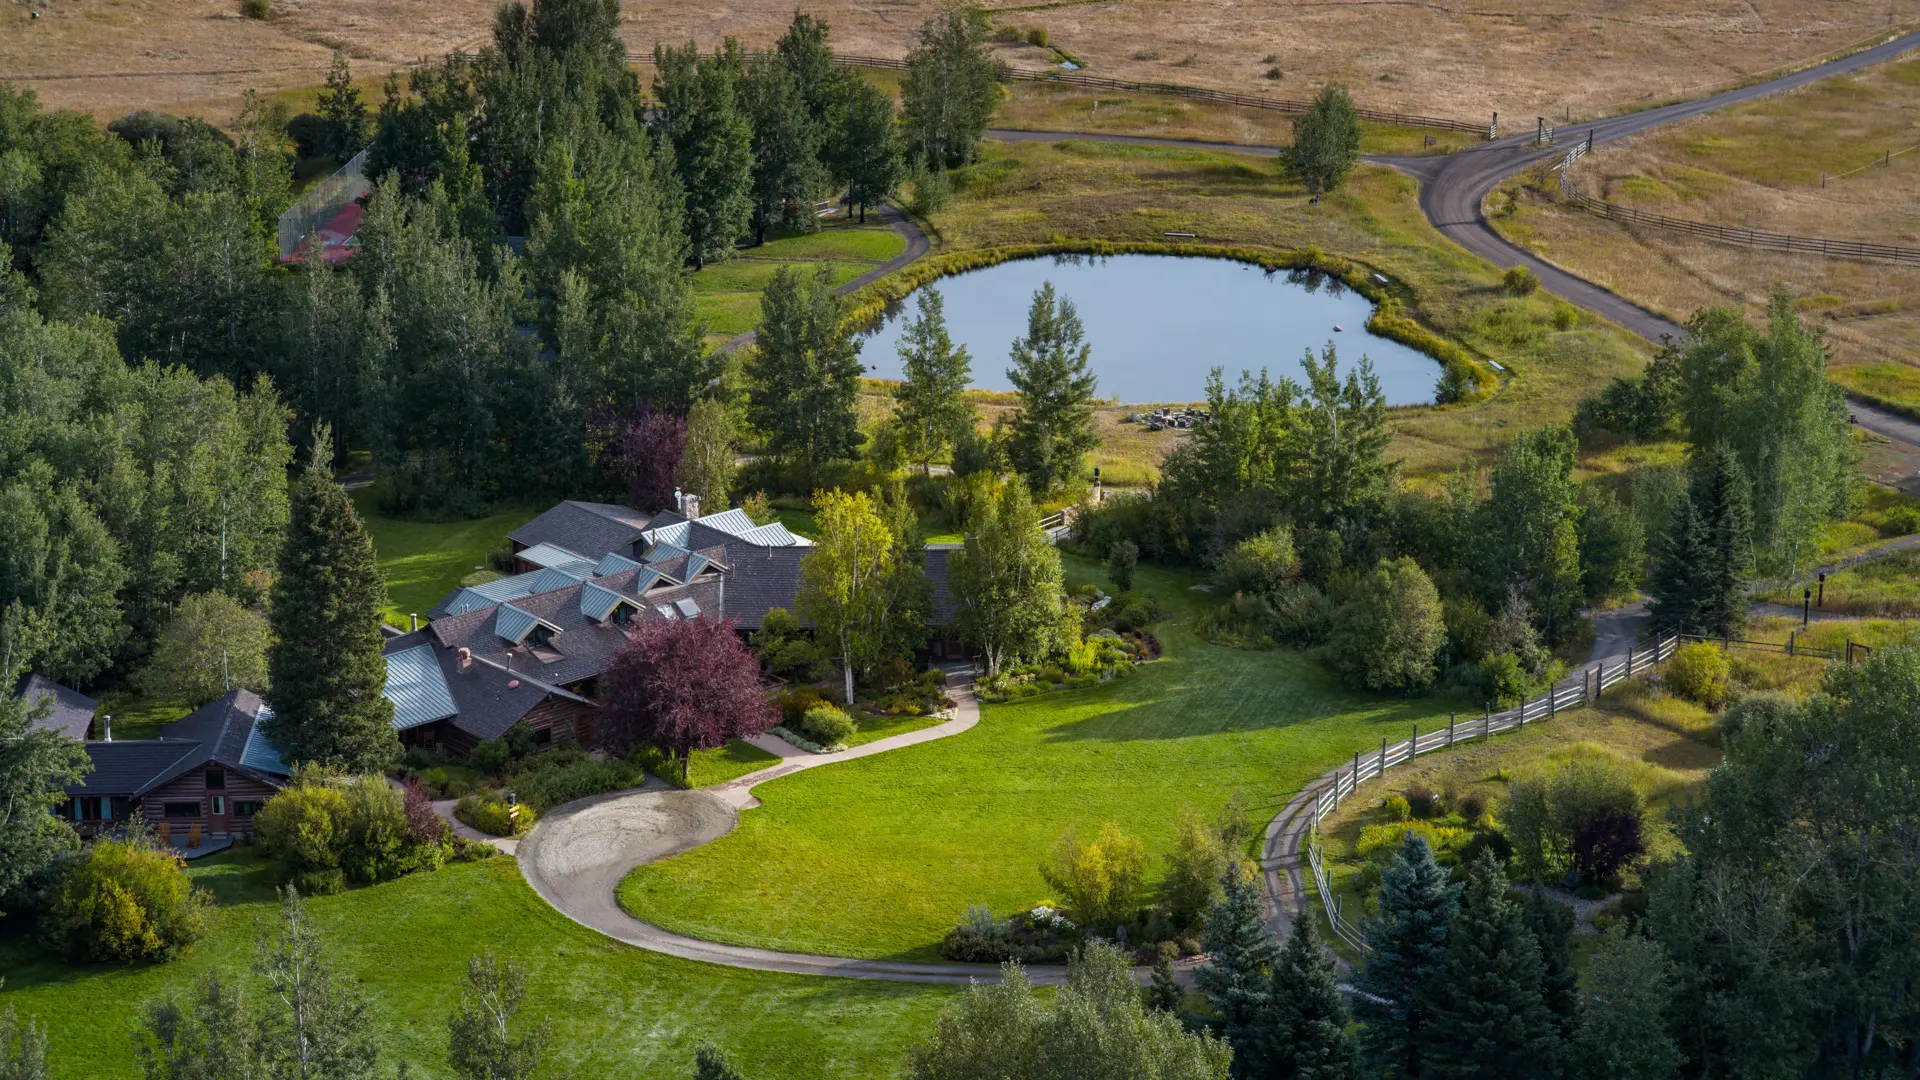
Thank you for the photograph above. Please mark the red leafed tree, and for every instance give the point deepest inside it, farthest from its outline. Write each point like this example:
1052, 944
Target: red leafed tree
684, 685
642, 451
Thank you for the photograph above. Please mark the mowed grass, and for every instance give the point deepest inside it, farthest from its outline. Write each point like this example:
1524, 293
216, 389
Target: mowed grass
425, 560
726, 295
616, 1010
723, 763
878, 857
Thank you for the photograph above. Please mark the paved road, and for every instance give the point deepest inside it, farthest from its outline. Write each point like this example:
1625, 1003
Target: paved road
577, 855
917, 245
1453, 188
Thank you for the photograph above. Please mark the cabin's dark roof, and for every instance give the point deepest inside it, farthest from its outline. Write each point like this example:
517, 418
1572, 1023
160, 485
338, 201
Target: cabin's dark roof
485, 700
581, 648
70, 711
591, 530
220, 732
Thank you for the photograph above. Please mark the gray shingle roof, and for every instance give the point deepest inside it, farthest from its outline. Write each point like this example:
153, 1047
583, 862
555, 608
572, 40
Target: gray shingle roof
223, 731
580, 649
485, 700
70, 711
590, 530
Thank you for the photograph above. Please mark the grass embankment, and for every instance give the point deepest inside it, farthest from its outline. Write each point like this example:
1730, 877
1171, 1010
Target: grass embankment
615, 1010
1887, 586
1030, 106
1665, 746
1095, 196
726, 295
878, 857
423, 561
1759, 166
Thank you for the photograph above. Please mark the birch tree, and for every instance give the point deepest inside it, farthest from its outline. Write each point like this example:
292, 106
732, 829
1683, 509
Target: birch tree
1007, 580
844, 581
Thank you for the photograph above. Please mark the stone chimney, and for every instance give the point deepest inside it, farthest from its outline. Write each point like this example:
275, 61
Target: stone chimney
466, 659
690, 507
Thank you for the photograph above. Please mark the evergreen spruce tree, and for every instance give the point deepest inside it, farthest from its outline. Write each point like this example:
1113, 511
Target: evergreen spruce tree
1721, 495
1552, 925
1054, 428
1490, 1020
712, 139
1407, 956
347, 126
1164, 993
787, 173
1306, 1036
1238, 975
325, 665
1676, 583
805, 373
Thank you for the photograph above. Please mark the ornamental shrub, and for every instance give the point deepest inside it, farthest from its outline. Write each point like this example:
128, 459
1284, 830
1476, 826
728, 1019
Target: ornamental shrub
795, 703
1396, 807
1503, 680
303, 830
826, 725
1698, 673
1100, 881
126, 900
1520, 281
489, 813
1260, 564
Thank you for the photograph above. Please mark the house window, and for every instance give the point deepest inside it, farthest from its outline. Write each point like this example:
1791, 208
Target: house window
219, 805
216, 781
182, 809
543, 737
245, 808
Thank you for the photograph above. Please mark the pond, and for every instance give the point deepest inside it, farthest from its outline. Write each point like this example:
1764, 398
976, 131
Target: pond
1158, 323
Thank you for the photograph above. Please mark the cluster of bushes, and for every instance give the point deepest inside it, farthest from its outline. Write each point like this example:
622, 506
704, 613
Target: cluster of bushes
822, 728
1101, 655
1041, 935
1699, 673
492, 813
1580, 825
1102, 890
787, 651
125, 899
325, 831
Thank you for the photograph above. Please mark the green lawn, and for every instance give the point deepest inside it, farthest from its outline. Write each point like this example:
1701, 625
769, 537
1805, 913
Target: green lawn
878, 857
423, 561
616, 1011
726, 295
729, 762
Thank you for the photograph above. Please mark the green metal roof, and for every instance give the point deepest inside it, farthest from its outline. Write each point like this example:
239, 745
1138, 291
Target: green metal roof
417, 687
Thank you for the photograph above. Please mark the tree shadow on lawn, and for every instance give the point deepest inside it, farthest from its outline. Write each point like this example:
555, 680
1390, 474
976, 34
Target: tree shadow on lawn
1210, 690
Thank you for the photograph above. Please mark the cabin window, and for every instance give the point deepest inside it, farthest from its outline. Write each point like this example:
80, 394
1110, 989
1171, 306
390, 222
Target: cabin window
543, 737
182, 809
219, 805
216, 780
245, 808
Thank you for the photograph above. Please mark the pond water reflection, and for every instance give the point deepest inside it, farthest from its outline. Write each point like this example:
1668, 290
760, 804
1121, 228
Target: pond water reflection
1158, 323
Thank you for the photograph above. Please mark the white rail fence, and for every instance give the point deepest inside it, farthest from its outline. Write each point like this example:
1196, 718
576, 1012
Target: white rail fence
1367, 764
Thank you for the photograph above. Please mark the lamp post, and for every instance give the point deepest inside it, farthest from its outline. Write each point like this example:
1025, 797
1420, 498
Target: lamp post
1806, 608
1822, 602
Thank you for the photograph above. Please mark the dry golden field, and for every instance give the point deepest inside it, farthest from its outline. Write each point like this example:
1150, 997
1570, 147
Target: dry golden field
1759, 166
1524, 57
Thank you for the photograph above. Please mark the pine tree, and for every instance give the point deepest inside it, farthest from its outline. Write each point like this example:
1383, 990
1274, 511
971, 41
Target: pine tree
712, 141
1053, 429
1677, 580
1626, 1010
930, 406
1238, 975
1306, 1036
1552, 926
326, 667
1407, 955
1721, 495
866, 147
347, 126
786, 149
1164, 993
805, 374
1489, 1018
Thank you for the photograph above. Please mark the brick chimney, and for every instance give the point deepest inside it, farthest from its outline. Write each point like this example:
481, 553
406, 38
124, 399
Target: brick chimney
690, 507
466, 659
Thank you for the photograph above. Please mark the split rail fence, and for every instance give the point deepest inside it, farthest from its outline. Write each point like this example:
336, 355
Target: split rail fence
1222, 97
1729, 234
1367, 764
